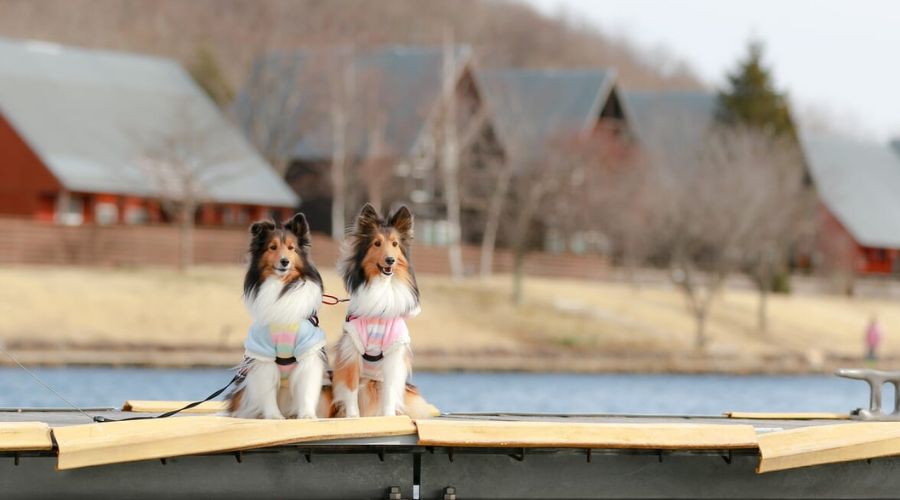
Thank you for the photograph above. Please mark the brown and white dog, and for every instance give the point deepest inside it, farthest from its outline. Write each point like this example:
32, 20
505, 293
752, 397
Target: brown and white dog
284, 362
373, 355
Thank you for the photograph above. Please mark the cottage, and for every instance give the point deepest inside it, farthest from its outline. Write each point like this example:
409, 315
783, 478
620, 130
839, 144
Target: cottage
101, 137
857, 182
532, 109
376, 112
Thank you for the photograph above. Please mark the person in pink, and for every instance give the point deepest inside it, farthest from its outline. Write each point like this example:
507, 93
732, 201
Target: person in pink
874, 337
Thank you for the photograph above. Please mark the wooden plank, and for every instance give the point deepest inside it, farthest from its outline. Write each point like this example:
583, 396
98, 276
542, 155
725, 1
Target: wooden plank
141, 406
825, 444
22, 436
482, 433
115, 442
787, 416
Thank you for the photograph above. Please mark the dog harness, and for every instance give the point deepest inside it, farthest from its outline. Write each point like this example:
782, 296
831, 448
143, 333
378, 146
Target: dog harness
284, 343
375, 337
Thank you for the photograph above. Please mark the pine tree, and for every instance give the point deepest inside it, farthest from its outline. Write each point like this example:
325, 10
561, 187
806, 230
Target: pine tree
751, 98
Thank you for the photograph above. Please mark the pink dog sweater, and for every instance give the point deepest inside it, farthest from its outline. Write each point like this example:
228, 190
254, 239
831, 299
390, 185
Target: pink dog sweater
375, 337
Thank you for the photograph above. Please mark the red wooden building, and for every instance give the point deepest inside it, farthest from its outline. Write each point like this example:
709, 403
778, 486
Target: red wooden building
81, 136
858, 184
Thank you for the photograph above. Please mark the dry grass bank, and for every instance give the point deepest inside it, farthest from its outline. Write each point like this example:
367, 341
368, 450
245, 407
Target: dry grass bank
84, 313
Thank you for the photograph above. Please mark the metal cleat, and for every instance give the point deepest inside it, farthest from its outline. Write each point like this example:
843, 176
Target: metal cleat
394, 493
449, 493
876, 380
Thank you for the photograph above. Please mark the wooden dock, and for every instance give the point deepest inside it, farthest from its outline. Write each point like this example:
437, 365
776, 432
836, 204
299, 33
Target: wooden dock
61, 453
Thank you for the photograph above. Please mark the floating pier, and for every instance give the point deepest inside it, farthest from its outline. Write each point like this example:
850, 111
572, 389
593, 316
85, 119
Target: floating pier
60, 453
53, 453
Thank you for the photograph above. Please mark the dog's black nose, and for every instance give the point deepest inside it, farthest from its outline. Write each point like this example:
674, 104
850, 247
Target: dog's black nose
390, 261
284, 262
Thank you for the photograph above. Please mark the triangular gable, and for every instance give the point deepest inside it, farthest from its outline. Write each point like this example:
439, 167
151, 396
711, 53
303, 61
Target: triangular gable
395, 88
532, 107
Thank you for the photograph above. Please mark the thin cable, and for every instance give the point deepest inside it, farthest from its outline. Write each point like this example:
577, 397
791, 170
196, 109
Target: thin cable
38, 380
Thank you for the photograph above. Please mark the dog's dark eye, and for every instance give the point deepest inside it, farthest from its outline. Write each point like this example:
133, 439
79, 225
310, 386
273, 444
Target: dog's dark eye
377, 243
290, 247
395, 243
273, 247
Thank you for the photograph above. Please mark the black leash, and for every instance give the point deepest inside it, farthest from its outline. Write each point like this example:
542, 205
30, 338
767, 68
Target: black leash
314, 319
238, 377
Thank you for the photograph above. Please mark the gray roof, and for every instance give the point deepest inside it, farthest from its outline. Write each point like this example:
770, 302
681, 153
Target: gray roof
398, 85
532, 106
859, 182
98, 121
664, 120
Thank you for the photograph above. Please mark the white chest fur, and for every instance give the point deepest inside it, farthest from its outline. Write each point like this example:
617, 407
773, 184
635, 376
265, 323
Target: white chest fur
384, 297
269, 306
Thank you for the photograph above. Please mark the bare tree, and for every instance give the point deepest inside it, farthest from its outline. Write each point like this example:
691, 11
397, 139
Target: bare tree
343, 87
716, 202
606, 207
281, 103
541, 189
494, 211
377, 167
787, 217
451, 156
507, 177
186, 162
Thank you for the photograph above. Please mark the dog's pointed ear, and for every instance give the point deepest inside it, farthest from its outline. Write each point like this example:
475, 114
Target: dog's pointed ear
368, 218
261, 227
299, 227
402, 221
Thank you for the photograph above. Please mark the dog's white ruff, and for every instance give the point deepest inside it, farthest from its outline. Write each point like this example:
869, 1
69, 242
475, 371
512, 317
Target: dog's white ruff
267, 307
384, 297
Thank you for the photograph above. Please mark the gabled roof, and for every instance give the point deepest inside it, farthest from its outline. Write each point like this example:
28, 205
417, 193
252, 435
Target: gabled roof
93, 116
533, 106
665, 120
859, 182
399, 85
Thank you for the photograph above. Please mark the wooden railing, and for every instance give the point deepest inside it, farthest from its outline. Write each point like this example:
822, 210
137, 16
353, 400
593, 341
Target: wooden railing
24, 241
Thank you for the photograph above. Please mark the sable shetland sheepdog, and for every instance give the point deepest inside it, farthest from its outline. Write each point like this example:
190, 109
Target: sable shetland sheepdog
373, 354
284, 361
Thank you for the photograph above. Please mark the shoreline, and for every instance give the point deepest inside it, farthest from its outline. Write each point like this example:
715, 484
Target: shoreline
538, 361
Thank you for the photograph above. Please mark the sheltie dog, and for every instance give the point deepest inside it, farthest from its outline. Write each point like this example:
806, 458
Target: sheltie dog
373, 355
284, 362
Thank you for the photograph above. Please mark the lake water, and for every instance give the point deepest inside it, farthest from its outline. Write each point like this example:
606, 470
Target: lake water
474, 392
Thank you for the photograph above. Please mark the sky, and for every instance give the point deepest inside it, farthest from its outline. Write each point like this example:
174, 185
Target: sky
838, 60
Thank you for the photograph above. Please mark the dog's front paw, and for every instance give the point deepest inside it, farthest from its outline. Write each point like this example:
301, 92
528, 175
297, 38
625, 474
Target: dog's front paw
391, 412
307, 416
276, 415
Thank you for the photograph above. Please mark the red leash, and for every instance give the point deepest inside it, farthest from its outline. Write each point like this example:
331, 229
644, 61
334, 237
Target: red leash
331, 300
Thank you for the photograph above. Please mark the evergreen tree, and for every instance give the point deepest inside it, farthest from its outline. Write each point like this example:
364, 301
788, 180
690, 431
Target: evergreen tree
751, 98
206, 71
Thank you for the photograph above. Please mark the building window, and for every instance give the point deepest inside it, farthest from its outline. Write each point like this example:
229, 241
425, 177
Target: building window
229, 217
242, 216
70, 210
137, 215
106, 213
